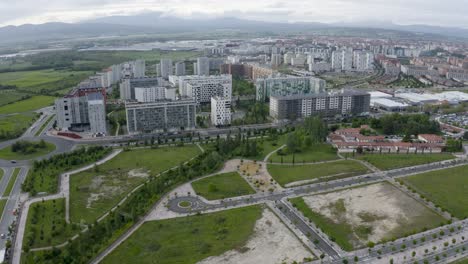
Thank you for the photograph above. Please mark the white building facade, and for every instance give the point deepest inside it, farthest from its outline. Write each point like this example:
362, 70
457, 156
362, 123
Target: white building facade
220, 111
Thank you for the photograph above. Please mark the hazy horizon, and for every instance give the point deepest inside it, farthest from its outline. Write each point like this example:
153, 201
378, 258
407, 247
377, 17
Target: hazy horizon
428, 12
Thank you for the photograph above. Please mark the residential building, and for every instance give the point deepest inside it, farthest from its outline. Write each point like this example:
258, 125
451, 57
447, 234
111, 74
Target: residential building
237, 70
180, 68
342, 60
319, 67
291, 85
220, 111
363, 60
166, 68
275, 60
127, 86
202, 88
203, 66
160, 116
152, 94
97, 113
343, 103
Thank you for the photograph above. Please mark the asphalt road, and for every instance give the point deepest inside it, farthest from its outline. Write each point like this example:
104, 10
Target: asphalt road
8, 217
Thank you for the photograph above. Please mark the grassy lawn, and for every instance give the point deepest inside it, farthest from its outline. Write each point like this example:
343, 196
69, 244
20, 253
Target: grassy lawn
395, 161
97, 190
46, 224
7, 154
285, 174
315, 153
31, 104
269, 146
222, 186
188, 239
13, 126
11, 182
447, 188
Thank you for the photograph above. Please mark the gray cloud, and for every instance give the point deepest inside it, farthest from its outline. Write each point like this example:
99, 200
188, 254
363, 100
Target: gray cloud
432, 12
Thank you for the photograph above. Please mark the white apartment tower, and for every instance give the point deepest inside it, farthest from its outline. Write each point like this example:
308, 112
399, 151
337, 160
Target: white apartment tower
342, 60
203, 66
166, 68
363, 60
202, 88
180, 68
220, 111
153, 94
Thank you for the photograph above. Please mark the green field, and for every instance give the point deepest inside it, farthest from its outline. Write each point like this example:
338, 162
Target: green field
447, 188
315, 153
31, 104
13, 126
222, 186
46, 224
267, 146
11, 182
188, 239
10, 96
95, 191
395, 161
285, 174
7, 154
42, 79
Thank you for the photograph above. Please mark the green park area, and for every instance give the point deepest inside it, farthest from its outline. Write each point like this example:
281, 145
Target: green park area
25, 150
31, 104
447, 188
314, 153
285, 174
188, 239
97, 190
46, 225
8, 96
222, 186
395, 161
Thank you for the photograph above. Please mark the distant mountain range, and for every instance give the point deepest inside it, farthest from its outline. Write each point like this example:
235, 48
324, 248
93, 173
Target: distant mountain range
155, 22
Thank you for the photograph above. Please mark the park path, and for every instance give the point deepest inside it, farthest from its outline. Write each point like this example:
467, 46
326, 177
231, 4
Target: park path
64, 192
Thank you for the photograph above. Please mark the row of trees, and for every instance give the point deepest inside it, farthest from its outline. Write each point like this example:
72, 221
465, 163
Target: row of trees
90, 243
48, 171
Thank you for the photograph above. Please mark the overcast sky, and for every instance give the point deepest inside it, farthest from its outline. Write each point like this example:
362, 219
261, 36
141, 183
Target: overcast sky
431, 12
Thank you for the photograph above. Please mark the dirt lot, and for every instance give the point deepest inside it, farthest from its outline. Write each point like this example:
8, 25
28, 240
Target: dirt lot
272, 242
257, 175
374, 212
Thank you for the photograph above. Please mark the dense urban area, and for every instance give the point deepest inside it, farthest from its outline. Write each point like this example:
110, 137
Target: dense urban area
260, 148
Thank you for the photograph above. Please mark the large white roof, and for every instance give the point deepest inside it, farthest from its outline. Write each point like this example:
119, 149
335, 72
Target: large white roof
387, 102
417, 98
377, 94
452, 96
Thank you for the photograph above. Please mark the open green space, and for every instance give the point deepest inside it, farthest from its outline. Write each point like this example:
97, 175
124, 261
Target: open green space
10, 96
188, 239
31, 104
447, 188
395, 161
8, 153
95, 191
462, 261
44, 175
285, 174
46, 224
353, 218
314, 153
222, 186
14, 125
11, 182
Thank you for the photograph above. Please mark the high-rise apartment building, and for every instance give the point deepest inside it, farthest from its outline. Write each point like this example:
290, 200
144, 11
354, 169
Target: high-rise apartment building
160, 116
220, 111
342, 60
180, 68
152, 94
166, 68
127, 86
203, 66
202, 88
290, 85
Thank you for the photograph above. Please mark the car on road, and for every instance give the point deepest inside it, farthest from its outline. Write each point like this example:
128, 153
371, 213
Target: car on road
2, 236
13, 161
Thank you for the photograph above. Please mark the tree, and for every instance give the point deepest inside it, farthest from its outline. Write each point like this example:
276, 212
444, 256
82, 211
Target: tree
292, 142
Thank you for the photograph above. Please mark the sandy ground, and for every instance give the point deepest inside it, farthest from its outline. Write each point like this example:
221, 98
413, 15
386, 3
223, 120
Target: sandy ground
257, 175
272, 242
379, 208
